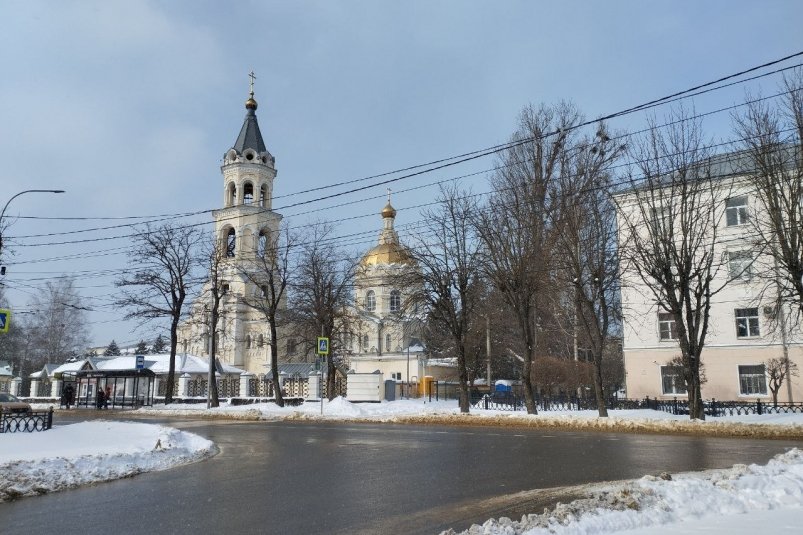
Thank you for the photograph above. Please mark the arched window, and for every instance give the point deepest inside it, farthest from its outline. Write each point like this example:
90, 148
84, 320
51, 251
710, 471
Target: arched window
231, 243
365, 342
262, 243
291, 346
395, 301
248, 341
370, 301
387, 343
260, 341
231, 195
263, 196
248, 193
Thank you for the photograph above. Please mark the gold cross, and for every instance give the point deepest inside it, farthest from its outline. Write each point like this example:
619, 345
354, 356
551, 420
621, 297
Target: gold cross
388, 195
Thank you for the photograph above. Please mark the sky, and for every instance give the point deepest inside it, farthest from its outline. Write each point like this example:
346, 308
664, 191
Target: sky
130, 106
741, 499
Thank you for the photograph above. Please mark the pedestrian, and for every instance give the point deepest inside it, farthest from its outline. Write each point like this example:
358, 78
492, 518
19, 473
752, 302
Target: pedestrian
99, 399
108, 395
68, 395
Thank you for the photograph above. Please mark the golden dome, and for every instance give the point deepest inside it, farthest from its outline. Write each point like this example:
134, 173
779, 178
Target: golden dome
251, 104
386, 253
388, 211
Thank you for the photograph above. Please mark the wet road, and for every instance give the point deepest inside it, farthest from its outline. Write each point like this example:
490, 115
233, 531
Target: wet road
288, 478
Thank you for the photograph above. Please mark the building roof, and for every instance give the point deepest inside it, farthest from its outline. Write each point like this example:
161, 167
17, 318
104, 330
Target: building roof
302, 369
159, 364
389, 250
250, 136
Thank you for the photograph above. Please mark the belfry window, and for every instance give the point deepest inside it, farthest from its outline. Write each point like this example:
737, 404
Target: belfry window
231, 243
231, 195
248, 193
262, 243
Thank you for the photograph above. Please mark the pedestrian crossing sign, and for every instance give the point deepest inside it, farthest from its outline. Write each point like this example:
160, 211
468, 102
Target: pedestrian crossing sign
323, 345
5, 319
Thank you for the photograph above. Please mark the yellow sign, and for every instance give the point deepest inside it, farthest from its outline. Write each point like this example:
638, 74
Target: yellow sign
323, 345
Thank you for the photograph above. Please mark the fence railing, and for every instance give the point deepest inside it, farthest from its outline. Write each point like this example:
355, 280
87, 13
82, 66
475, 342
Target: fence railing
14, 422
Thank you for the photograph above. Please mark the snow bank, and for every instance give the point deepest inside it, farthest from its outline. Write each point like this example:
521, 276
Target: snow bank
659, 501
90, 452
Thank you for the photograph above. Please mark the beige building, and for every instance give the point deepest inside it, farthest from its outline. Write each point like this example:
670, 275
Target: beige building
742, 335
243, 227
387, 334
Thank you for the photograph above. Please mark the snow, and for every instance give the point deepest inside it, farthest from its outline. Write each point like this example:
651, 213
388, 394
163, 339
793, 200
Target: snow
90, 452
743, 499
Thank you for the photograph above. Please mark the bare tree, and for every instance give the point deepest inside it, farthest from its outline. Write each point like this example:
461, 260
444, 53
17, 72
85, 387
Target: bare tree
447, 283
771, 138
270, 271
779, 369
587, 245
668, 223
57, 329
321, 292
164, 258
519, 227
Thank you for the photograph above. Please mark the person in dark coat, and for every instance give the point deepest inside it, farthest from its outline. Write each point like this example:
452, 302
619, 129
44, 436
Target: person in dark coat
100, 399
68, 395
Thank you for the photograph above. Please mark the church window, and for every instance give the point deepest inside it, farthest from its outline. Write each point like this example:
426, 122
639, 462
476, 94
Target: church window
291, 346
248, 193
395, 301
263, 196
260, 341
248, 341
387, 342
262, 243
370, 301
365, 341
231, 242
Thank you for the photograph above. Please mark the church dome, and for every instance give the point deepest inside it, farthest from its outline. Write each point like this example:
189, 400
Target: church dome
386, 253
388, 211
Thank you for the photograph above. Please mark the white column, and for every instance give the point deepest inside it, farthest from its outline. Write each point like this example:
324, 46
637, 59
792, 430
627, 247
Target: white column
183, 384
155, 391
245, 379
34, 388
16, 386
55, 388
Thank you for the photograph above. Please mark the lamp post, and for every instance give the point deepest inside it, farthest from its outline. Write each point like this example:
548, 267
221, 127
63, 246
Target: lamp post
3, 213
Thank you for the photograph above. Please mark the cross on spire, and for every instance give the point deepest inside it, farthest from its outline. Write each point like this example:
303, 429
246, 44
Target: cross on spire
388, 195
252, 77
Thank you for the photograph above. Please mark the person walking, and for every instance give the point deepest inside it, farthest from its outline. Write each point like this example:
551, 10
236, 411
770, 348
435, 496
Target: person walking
108, 395
68, 395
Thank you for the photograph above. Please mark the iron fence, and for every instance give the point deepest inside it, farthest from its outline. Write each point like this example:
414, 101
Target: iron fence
12, 422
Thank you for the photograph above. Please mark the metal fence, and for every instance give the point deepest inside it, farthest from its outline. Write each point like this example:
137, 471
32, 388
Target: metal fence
716, 408
12, 422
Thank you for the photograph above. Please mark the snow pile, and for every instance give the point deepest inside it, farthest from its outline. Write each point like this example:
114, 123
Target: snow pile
656, 501
90, 452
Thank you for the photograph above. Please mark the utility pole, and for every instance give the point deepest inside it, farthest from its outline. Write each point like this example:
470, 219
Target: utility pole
488, 348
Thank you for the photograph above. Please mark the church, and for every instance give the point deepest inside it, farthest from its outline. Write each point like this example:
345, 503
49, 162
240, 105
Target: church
385, 335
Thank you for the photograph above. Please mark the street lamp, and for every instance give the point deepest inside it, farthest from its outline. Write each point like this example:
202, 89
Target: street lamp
3, 213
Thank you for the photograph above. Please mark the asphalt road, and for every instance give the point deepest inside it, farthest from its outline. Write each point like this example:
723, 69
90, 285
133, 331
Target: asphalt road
288, 478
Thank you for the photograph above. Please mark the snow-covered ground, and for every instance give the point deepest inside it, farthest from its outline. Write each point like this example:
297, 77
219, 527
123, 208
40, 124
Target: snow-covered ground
744, 499
90, 452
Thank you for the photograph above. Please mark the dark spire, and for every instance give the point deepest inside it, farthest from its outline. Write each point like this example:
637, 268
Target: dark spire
250, 137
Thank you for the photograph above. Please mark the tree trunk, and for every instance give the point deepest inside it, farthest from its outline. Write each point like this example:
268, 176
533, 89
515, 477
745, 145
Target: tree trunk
171, 370
274, 365
463, 374
330, 377
527, 368
599, 388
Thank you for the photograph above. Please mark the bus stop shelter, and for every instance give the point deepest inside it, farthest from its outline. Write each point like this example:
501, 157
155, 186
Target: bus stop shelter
129, 388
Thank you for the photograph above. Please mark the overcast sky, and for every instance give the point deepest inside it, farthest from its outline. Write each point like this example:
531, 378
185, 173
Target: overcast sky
129, 106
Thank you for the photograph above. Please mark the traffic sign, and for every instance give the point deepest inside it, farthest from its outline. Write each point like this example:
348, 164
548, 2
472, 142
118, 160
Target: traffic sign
323, 345
5, 319
140, 362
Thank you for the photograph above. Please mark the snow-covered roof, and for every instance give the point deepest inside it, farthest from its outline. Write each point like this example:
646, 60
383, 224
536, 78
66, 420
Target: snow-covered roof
5, 369
160, 364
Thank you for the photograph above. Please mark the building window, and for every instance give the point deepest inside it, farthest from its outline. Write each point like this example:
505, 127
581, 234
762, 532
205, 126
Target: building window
260, 341
248, 193
752, 380
740, 264
396, 376
370, 301
248, 341
672, 380
291, 346
736, 210
263, 196
262, 243
667, 328
387, 342
747, 322
231, 243
365, 342
395, 301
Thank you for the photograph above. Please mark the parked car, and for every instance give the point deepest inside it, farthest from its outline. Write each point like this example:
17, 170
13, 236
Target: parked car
9, 403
